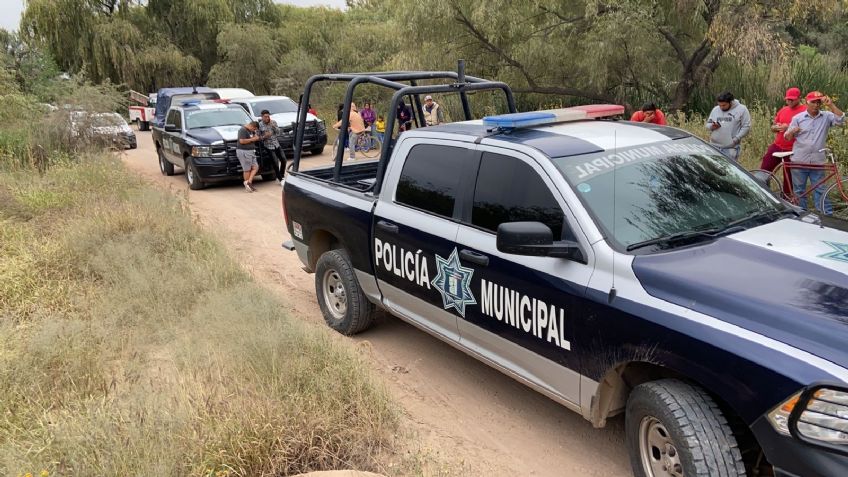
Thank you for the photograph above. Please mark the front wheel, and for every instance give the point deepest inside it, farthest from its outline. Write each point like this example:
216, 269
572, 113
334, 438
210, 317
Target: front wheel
370, 146
834, 200
675, 429
194, 181
343, 304
318, 151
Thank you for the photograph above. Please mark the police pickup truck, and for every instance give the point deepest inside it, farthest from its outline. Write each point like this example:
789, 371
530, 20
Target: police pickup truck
284, 111
201, 137
616, 267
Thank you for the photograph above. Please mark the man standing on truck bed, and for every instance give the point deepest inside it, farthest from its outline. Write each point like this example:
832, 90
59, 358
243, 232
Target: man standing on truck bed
269, 131
246, 153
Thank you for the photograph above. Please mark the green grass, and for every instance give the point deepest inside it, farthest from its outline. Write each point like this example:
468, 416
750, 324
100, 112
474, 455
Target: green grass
131, 344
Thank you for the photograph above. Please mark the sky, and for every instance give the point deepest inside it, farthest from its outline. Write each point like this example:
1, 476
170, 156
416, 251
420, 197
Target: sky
10, 10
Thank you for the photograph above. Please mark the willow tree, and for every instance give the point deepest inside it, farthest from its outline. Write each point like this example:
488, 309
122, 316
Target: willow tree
601, 50
249, 54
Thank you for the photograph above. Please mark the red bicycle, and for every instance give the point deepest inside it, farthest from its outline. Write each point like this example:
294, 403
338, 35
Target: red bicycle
833, 201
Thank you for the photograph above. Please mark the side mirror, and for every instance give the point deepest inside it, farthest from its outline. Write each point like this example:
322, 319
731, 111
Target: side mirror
171, 128
535, 239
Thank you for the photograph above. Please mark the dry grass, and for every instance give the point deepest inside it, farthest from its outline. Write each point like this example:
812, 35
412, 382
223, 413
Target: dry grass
130, 344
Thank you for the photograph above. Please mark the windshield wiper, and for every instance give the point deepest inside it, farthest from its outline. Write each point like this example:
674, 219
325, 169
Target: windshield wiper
676, 237
760, 214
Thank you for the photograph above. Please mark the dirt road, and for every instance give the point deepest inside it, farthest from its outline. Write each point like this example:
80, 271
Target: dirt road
475, 418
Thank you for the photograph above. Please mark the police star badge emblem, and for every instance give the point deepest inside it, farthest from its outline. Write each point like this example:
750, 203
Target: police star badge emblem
839, 253
454, 283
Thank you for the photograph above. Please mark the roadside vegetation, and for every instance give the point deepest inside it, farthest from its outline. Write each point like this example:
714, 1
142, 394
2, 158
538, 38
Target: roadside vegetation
132, 344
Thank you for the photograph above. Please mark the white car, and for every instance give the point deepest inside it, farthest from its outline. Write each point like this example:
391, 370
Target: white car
108, 127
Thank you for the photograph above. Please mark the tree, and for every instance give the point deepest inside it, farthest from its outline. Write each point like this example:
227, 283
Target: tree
248, 55
603, 50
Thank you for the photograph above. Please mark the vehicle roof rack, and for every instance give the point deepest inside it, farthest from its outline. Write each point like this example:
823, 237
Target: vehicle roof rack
396, 80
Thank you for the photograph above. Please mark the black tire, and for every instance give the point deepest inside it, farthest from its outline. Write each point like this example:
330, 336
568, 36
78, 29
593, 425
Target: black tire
345, 309
834, 198
317, 151
144, 126
269, 177
194, 181
676, 426
165, 166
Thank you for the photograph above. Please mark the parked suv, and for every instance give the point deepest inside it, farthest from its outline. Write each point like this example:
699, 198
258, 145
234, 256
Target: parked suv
201, 138
284, 111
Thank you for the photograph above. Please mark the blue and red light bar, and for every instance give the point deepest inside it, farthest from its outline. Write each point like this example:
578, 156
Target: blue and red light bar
552, 116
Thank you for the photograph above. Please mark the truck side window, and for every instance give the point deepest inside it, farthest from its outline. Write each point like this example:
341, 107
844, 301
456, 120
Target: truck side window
430, 178
509, 190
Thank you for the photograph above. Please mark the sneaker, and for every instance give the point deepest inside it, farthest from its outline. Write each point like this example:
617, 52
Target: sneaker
247, 186
283, 182
252, 189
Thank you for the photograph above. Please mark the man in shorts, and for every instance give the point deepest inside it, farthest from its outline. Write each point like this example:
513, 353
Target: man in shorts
246, 153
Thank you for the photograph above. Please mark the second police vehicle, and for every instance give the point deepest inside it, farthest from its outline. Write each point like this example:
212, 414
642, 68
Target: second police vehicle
615, 267
200, 137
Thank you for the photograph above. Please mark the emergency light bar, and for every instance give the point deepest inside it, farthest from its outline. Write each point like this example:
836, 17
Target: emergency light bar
190, 102
552, 116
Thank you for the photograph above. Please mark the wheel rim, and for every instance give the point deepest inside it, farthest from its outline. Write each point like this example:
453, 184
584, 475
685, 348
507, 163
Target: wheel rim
834, 200
335, 295
659, 454
161, 162
189, 173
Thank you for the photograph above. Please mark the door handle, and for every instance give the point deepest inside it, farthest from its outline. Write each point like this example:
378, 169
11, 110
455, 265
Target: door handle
474, 257
387, 227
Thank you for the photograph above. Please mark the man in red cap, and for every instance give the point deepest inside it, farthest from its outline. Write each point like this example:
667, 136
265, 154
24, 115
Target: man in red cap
809, 130
781, 123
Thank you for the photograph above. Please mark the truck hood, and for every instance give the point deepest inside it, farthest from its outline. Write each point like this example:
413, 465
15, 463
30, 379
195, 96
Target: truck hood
787, 280
286, 119
216, 134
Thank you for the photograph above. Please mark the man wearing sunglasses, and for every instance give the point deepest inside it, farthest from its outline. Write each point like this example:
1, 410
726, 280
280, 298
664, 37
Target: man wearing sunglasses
809, 130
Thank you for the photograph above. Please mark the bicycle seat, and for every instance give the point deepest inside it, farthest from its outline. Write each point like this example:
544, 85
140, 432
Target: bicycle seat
782, 154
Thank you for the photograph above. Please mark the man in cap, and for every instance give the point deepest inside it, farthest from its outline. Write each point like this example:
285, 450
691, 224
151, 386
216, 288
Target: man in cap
432, 112
781, 123
809, 130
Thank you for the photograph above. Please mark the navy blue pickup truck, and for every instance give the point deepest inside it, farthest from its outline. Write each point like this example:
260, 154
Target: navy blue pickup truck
615, 267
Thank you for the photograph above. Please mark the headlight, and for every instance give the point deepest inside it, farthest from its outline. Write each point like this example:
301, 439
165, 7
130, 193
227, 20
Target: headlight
825, 417
199, 151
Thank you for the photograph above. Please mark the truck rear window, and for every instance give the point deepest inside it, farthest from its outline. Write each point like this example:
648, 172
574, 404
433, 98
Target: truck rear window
430, 178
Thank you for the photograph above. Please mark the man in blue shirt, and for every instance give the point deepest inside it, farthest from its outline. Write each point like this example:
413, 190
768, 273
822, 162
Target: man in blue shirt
809, 129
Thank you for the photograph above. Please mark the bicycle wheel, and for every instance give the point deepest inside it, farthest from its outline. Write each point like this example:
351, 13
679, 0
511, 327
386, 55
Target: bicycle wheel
835, 200
370, 146
335, 147
768, 179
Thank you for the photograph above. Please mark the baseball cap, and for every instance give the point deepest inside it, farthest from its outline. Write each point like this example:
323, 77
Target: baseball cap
814, 95
427, 97
793, 93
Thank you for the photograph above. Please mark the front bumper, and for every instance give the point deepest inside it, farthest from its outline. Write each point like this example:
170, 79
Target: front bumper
211, 170
793, 458
310, 142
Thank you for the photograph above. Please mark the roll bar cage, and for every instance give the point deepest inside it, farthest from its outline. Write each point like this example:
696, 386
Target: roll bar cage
394, 80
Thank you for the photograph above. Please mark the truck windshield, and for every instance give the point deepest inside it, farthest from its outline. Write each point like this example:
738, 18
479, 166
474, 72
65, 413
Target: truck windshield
657, 190
274, 106
217, 117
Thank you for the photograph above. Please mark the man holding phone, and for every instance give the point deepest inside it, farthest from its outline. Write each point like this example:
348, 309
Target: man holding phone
728, 123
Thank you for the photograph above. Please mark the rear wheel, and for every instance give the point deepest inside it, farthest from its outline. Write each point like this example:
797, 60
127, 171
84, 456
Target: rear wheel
318, 151
675, 429
343, 304
194, 181
768, 179
144, 126
165, 167
370, 146
834, 200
